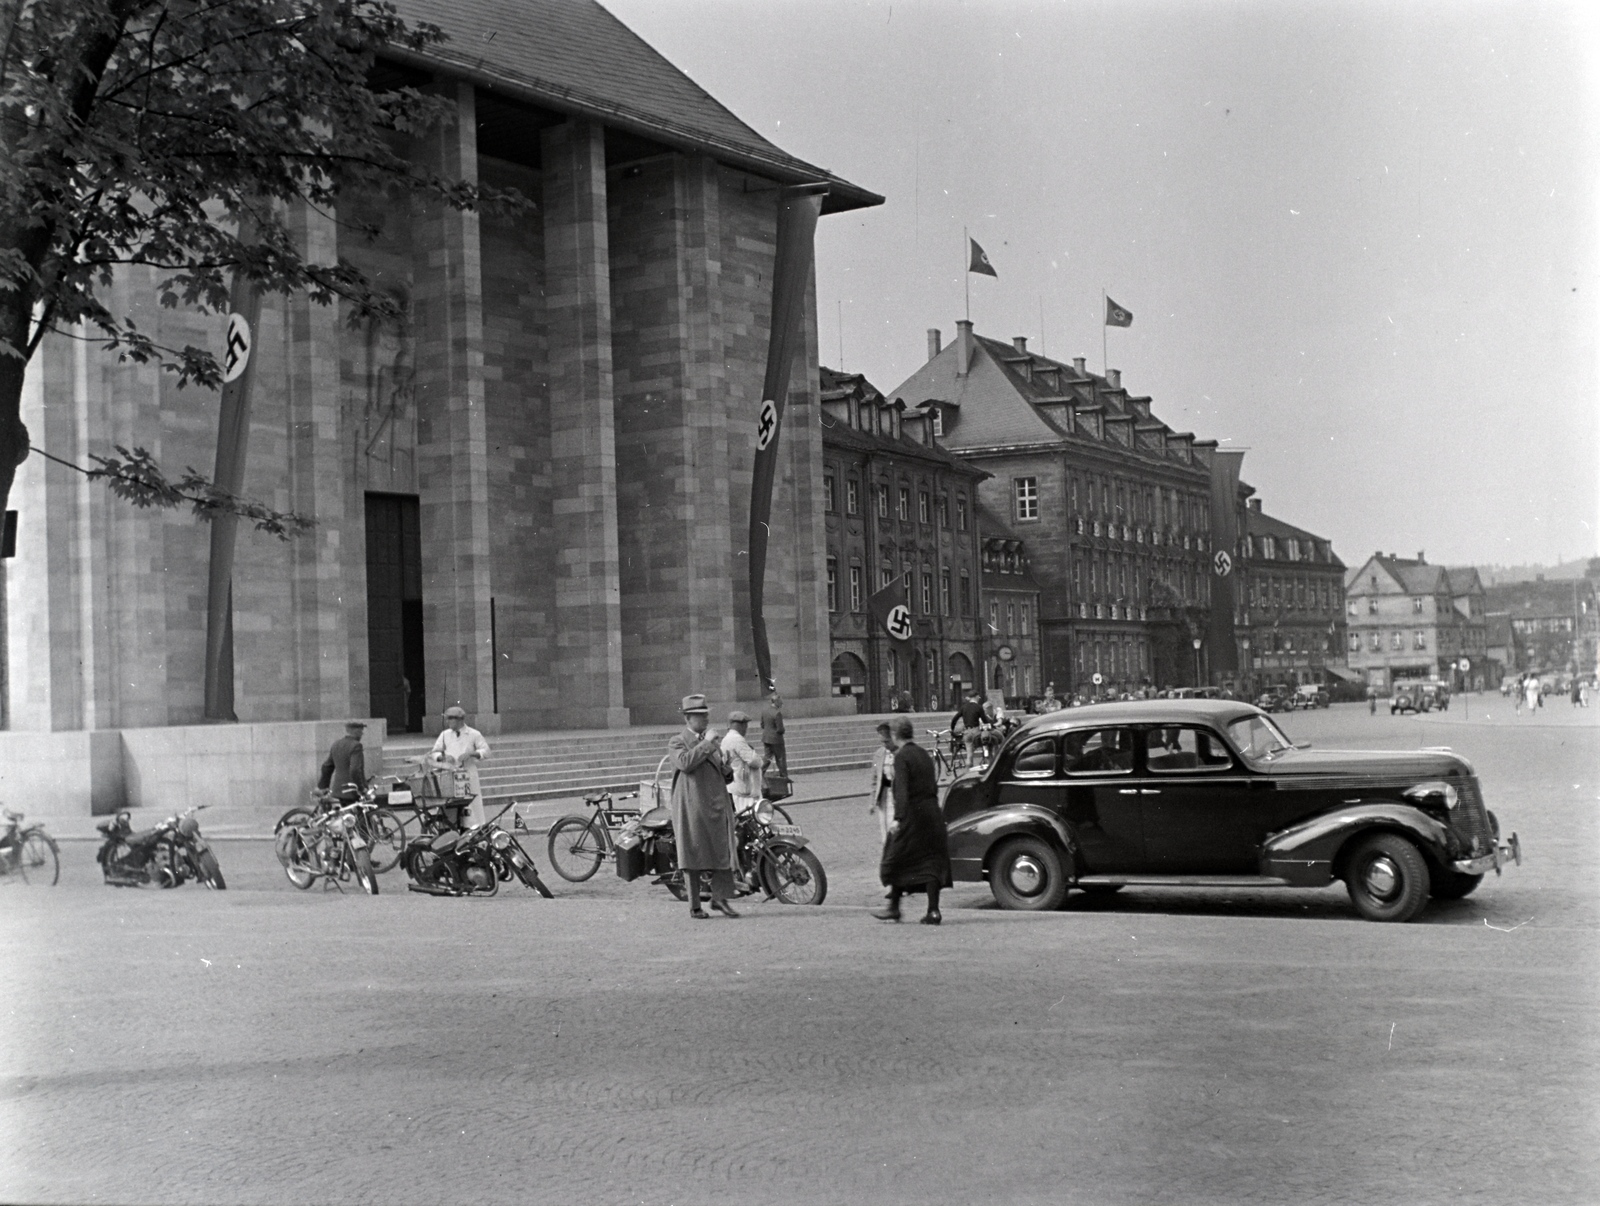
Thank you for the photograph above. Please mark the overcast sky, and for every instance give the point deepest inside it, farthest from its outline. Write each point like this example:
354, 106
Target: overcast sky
1357, 238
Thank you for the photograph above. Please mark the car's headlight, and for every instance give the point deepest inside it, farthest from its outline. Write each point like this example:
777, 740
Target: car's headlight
1433, 789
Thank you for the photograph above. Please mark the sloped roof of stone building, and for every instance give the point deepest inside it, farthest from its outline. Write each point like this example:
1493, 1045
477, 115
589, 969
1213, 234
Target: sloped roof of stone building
1259, 523
1011, 397
1416, 577
838, 386
573, 56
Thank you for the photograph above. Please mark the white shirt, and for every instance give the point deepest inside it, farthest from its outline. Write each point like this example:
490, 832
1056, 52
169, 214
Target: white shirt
462, 745
746, 764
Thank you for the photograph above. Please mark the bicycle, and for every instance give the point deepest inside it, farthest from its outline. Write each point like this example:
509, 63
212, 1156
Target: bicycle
29, 855
384, 832
578, 844
947, 765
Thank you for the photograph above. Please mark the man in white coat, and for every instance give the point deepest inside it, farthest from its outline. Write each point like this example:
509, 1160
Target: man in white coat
746, 763
459, 750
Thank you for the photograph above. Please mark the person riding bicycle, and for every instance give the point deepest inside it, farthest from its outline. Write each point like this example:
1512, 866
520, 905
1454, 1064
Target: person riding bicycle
970, 716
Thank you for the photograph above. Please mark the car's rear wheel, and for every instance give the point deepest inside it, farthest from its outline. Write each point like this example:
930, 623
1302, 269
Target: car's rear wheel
1387, 878
1026, 873
1453, 885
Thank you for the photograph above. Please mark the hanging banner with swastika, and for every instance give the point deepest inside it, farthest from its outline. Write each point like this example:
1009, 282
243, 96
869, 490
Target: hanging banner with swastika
889, 610
1225, 537
798, 209
1222, 563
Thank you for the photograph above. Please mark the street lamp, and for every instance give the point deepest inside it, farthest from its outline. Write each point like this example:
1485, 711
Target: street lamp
1197, 662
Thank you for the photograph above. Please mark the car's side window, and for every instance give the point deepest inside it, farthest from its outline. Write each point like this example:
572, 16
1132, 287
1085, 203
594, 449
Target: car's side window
1036, 760
1179, 750
1097, 752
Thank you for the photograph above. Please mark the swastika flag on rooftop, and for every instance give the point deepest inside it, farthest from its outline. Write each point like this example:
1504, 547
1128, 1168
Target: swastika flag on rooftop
980, 260
1116, 316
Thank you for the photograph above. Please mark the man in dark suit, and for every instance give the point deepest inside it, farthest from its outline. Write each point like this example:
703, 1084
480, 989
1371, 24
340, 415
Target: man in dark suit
916, 858
772, 734
345, 763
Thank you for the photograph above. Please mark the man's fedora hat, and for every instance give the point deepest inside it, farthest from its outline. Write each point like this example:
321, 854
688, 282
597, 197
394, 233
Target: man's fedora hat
694, 703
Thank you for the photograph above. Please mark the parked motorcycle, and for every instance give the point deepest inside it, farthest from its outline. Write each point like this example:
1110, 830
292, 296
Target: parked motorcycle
28, 855
330, 845
384, 832
450, 861
772, 856
168, 854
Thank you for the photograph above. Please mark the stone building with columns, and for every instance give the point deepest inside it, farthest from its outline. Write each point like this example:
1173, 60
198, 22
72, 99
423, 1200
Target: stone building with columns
530, 495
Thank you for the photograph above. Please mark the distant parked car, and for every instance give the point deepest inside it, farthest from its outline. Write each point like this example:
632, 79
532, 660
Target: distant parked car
1310, 695
1276, 699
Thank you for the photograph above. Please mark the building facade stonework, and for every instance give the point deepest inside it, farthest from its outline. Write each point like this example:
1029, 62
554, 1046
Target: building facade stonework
1407, 619
1290, 603
530, 492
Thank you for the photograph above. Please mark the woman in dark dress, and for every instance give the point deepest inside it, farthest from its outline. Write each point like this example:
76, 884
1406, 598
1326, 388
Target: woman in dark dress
916, 858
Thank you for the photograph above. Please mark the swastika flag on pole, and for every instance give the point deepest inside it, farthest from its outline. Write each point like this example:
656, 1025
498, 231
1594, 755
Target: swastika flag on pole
980, 260
1117, 316
890, 611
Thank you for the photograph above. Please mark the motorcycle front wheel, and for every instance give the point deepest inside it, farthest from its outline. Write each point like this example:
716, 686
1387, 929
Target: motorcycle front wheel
38, 861
297, 859
210, 872
365, 875
529, 874
794, 875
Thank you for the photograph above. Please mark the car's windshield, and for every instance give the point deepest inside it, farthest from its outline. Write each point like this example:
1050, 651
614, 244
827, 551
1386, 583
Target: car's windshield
1258, 739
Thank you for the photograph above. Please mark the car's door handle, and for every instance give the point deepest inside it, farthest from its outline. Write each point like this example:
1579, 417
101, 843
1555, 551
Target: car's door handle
1128, 791
1150, 791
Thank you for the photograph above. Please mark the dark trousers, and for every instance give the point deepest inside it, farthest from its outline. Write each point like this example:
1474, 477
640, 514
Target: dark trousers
779, 755
932, 889
721, 885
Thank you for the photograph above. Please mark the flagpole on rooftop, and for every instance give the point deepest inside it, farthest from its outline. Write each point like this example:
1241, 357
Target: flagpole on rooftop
1102, 330
966, 272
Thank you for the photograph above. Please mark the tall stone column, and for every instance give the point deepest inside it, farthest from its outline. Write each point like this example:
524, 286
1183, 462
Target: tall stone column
586, 663
325, 578
452, 460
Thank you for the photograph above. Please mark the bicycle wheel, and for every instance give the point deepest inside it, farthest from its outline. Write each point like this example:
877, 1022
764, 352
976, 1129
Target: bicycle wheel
299, 863
576, 848
387, 833
38, 862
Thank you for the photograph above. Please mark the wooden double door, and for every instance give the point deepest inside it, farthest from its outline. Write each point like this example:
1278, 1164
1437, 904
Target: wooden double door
394, 611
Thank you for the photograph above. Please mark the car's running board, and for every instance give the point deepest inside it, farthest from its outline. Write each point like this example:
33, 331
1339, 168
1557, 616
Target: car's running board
1182, 881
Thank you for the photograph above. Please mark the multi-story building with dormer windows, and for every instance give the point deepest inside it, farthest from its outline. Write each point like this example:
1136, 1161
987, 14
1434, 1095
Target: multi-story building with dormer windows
1290, 605
1114, 505
1407, 619
896, 504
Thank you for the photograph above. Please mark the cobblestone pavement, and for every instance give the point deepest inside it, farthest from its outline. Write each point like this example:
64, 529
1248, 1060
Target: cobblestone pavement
1164, 1046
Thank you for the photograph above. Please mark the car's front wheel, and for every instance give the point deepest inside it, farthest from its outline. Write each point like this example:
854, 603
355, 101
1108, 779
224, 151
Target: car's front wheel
1026, 873
1388, 878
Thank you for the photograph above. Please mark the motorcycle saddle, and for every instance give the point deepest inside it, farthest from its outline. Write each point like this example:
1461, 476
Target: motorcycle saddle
446, 842
656, 819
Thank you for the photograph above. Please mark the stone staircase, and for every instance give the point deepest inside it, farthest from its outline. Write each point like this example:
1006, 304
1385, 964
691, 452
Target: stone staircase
545, 766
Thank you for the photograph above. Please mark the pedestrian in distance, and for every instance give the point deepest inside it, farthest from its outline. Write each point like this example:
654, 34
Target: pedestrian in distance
1577, 693
459, 749
880, 789
346, 762
702, 813
970, 716
916, 856
1535, 697
1517, 694
772, 734
744, 760
1372, 700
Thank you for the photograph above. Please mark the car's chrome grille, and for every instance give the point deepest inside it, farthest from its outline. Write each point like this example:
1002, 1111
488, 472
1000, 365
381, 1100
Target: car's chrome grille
1471, 822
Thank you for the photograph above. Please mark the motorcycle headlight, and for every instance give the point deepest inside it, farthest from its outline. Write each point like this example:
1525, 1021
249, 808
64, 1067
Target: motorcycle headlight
348, 820
764, 812
501, 839
188, 827
1434, 790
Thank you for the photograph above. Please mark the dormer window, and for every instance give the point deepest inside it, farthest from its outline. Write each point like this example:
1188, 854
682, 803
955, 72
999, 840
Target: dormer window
938, 422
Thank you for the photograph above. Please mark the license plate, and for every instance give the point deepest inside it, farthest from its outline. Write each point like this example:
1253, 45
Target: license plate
400, 797
788, 831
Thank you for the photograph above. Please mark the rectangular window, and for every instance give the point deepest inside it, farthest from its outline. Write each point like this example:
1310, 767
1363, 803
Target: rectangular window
961, 512
924, 508
1026, 493
1355, 642
1419, 640
1023, 618
852, 496
1011, 618
1372, 607
883, 502
1396, 640
1416, 606
927, 593
855, 588
944, 592
905, 504
966, 593
827, 494
994, 617
885, 576
1375, 642
833, 583
905, 576
944, 511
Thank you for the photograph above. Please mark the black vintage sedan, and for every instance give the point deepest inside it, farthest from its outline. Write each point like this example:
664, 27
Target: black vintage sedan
1210, 793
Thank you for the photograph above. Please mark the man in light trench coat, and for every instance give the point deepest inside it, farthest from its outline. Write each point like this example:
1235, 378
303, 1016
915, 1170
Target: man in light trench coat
702, 813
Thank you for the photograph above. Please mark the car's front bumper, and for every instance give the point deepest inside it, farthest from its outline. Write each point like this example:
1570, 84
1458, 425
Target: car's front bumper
1507, 851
